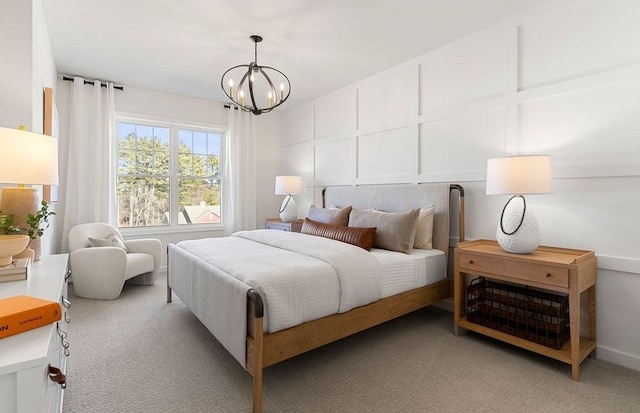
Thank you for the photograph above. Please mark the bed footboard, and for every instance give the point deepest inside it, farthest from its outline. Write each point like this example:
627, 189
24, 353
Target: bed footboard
264, 350
255, 345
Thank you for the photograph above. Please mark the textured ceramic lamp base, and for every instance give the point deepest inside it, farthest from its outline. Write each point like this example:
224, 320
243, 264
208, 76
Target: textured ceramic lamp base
288, 209
20, 202
527, 238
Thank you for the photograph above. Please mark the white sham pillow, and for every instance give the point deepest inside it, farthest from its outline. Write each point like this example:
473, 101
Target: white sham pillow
424, 228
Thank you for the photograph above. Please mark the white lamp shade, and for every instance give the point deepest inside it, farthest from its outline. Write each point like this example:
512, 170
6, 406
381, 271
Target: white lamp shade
528, 174
28, 158
288, 185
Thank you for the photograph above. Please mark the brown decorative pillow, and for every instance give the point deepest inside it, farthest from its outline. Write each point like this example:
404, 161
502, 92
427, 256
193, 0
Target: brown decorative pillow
394, 231
330, 216
112, 241
361, 237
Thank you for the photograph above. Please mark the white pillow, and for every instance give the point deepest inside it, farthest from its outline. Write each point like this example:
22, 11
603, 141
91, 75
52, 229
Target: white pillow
424, 228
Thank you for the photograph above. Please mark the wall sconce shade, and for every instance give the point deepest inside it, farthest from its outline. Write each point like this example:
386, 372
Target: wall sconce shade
288, 185
518, 231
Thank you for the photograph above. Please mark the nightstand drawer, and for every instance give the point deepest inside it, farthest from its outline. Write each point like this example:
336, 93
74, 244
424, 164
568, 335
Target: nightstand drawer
281, 226
276, 223
519, 271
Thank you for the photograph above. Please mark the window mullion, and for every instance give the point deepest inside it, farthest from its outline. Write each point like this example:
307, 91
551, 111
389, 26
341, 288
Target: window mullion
173, 177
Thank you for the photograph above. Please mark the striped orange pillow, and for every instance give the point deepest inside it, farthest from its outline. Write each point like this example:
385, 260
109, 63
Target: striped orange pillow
361, 237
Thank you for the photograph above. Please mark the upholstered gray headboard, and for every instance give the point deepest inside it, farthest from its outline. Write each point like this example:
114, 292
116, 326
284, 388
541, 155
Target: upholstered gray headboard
400, 198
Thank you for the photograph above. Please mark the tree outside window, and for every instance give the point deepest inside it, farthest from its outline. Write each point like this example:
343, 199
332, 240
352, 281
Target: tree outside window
162, 169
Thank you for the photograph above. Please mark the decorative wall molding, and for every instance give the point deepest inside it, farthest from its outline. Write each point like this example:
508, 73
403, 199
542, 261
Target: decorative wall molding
563, 79
620, 264
458, 80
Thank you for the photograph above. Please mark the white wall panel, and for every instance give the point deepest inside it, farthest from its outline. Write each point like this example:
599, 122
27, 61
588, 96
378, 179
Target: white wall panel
617, 341
461, 145
589, 127
335, 162
297, 125
466, 71
388, 102
587, 37
599, 214
387, 154
335, 116
303, 201
267, 165
16, 82
44, 66
163, 105
564, 80
298, 160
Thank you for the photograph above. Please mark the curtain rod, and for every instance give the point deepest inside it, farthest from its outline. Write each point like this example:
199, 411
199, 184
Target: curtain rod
89, 82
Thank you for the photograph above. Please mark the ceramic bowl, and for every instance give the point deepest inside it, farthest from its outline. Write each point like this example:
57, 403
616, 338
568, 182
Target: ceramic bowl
11, 245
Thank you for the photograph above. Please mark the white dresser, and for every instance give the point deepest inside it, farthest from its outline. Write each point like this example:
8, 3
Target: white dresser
25, 386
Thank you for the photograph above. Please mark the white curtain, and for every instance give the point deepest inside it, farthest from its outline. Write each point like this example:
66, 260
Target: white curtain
89, 190
239, 173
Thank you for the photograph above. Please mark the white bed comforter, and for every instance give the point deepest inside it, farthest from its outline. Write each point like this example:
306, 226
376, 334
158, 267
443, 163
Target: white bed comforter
300, 278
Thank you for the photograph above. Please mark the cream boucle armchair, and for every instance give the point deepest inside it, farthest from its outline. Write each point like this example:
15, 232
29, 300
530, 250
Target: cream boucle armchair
101, 260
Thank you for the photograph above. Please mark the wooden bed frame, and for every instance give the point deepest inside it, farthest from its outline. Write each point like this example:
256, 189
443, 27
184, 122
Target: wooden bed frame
266, 349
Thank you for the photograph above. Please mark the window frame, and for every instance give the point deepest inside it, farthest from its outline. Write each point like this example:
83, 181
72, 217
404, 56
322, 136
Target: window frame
174, 125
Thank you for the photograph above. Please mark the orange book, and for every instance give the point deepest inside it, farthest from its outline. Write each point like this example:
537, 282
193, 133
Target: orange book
21, 313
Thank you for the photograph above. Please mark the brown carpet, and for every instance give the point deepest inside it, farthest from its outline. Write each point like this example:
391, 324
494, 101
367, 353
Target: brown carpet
140, 354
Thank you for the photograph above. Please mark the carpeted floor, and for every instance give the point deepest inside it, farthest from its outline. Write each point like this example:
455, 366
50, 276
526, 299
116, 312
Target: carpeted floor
140, 354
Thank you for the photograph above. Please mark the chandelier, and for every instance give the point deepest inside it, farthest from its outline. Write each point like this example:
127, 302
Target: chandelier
256, 91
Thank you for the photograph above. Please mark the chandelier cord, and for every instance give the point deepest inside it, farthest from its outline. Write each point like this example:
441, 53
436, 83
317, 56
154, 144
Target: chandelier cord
255, 53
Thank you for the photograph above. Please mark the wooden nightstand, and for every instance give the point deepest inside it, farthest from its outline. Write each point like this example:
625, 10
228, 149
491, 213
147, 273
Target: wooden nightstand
276, 223
557, 270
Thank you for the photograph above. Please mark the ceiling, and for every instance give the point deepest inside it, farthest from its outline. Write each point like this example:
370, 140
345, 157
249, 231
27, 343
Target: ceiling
184, 46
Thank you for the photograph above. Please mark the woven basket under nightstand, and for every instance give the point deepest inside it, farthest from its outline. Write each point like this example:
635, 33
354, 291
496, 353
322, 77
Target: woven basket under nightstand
523, 312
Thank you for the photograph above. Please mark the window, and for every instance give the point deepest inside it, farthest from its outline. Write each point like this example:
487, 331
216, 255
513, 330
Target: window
168, 175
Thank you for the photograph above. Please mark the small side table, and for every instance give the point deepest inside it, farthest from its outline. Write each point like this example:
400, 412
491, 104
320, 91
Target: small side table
562, 270
276, 223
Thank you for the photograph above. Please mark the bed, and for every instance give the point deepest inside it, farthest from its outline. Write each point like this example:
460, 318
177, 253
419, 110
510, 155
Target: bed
270, 295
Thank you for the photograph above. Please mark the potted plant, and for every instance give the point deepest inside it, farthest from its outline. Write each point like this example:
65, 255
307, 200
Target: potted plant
6, 225
37, 223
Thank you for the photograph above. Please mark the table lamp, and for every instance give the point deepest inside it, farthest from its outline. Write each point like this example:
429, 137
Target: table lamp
288, 185
27, 158
518, 230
